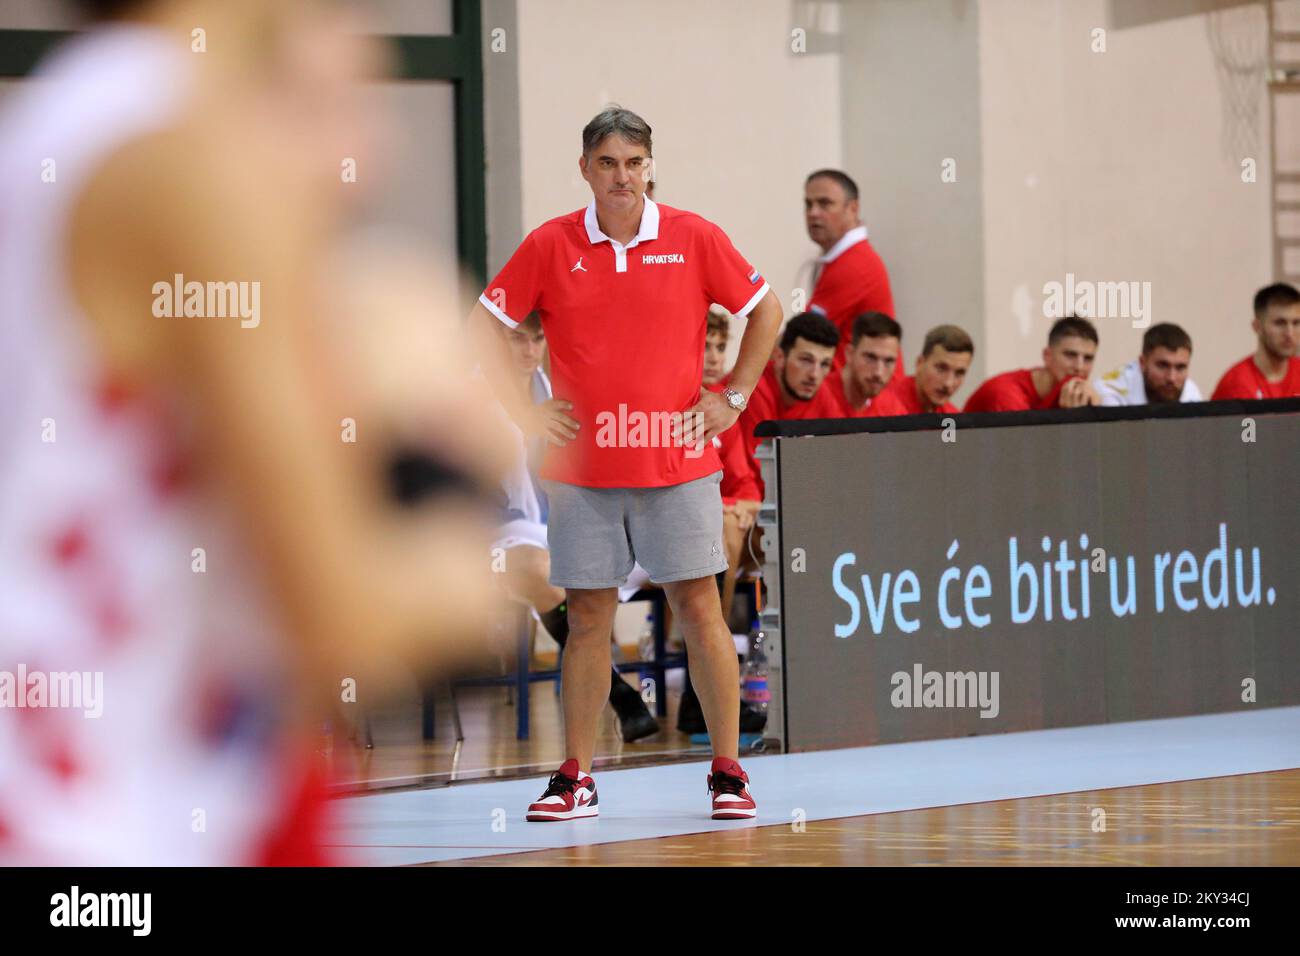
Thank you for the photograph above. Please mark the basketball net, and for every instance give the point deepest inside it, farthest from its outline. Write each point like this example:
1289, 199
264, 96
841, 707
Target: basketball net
1238, 40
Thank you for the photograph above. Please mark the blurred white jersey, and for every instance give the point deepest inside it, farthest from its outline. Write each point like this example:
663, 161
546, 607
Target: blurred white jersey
524, 521
1125, 387
139, 665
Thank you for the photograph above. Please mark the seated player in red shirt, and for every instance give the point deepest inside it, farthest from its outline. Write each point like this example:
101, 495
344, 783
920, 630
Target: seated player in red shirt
1061, 381
791, 387
945, 359
1274, 370
860, 388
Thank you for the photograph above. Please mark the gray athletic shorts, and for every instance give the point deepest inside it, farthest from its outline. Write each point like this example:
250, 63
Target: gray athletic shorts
595, 535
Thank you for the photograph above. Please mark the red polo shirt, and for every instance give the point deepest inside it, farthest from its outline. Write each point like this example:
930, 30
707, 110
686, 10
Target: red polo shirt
742, 477
886, 403
1012, 392
903, 388
625, 327
852, 280
1245, 380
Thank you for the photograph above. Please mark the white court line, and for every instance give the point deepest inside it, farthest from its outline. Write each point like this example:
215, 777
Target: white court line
459, 777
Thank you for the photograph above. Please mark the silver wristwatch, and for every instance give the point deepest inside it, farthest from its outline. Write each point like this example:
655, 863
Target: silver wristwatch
734, 398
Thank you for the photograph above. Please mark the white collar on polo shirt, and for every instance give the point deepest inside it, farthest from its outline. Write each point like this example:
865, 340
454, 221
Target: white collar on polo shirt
851, 238
649, 229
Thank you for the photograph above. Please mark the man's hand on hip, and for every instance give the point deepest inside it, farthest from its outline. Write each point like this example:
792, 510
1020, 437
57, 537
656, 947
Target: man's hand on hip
549, 419
707, 418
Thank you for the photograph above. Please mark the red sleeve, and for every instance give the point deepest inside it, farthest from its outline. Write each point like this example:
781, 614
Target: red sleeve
1235, 383
761, 408
746, 425
739, 481
989, 397
729, 280
517, 289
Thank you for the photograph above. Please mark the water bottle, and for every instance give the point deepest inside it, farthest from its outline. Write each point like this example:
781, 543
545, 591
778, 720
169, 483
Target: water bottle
753, 676
645, 644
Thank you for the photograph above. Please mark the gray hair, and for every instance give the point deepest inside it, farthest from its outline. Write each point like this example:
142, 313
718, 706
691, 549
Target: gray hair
615, 119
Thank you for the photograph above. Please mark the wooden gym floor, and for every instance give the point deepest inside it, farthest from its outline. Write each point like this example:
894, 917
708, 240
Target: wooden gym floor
1238, 818
1247, 820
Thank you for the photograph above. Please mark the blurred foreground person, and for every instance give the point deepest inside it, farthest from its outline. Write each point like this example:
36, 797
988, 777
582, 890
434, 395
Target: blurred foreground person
200, 549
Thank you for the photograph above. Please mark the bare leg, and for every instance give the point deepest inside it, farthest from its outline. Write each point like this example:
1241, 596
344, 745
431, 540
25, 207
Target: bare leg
587, 664
733, 540
714, 671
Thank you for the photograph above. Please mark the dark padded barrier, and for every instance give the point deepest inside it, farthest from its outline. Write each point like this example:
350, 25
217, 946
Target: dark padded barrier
1191, 496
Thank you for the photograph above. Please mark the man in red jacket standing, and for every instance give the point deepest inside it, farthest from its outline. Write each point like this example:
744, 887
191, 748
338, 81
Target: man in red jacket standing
850, 277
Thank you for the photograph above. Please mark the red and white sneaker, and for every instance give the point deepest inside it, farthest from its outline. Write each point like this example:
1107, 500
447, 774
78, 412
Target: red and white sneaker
730, 788
570, 795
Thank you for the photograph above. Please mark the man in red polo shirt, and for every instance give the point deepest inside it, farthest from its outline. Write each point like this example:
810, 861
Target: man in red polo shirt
861, 387
1061, 382
1274, 370
850, 277
623, 288
941, 369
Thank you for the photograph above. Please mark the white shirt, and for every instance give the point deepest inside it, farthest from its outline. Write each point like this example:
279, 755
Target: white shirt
521, 494
1125, 387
